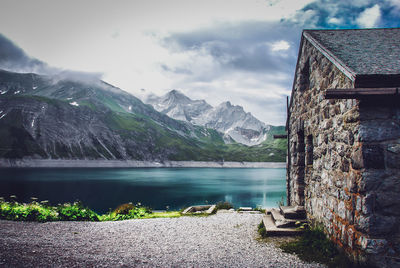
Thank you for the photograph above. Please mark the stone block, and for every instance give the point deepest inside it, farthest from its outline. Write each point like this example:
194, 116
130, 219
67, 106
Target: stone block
350, 237
370, 180
388, 202
369, 156
351, 116
381, 225
345, 165
376, 131
373, 246
358, 203
393, 160
373, 156
368, 203
349, 216
357, 161
351, 182
362, 223
394, 148
341, 210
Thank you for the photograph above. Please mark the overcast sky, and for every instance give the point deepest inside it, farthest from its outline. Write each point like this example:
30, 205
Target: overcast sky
242, 51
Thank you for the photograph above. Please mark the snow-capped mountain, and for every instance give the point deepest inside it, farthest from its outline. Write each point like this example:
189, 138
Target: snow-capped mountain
176, 105
231, 120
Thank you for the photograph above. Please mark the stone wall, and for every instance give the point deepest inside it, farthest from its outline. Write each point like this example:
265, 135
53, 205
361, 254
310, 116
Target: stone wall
344, 161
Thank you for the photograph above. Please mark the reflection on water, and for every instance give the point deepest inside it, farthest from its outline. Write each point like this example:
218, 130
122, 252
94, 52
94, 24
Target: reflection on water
104, 189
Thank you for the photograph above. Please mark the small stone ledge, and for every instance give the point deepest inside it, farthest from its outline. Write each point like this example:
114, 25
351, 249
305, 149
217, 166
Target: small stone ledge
206, 209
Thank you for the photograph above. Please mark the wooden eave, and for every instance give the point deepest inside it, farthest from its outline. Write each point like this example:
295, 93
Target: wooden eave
359, 93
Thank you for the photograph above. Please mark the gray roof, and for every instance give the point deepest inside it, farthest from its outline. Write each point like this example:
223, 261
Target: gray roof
361, 52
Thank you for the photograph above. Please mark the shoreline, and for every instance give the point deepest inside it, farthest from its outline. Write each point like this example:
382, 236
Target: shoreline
62, 163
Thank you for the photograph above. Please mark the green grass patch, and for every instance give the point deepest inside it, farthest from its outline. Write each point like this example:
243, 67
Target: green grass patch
261, 230
313, 246
43, 212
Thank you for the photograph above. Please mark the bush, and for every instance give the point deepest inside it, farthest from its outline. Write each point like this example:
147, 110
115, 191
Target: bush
26, 212
124, 209
126, 212
224, 205
261, 230
76, 212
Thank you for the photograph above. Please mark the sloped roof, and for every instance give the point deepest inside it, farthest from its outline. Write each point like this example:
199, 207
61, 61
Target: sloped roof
366, 51
369, 57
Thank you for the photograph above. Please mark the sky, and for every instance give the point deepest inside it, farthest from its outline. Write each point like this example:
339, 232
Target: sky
243, 51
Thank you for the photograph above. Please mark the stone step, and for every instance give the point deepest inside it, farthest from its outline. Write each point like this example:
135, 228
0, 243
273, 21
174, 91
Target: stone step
272, 230
293, 212
282, 222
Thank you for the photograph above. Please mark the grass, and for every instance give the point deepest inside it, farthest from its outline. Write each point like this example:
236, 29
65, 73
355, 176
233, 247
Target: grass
261, 230
43, 212
313, 246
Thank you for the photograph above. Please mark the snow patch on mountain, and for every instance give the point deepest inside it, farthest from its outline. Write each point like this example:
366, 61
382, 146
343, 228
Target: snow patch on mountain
230, 120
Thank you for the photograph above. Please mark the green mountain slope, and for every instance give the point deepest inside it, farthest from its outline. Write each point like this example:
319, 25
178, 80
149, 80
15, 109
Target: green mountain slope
49, 117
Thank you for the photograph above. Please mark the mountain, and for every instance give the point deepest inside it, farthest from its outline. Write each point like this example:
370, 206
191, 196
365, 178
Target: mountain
231, 120
178, 106
64, 117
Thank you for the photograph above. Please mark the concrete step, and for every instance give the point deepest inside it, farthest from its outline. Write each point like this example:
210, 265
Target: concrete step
281, 222
272, 230
293, 212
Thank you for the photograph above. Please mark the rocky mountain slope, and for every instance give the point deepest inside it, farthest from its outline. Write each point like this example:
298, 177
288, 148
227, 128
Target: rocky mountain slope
231, 120
54, 117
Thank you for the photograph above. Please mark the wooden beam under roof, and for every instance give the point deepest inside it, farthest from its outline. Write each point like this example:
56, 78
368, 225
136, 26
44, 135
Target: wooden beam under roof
280, 136
356, 93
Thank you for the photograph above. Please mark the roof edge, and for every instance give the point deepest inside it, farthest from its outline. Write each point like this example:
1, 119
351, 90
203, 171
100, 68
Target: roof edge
350, 73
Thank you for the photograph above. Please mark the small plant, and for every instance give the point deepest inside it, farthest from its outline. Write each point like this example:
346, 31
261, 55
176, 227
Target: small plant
76, 212
259, 208
224, 205
124, 209
261, 230
281, 202
127, 211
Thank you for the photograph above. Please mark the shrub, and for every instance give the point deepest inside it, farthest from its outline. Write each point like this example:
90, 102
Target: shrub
124, 209
76, 212
224, 205
261, 230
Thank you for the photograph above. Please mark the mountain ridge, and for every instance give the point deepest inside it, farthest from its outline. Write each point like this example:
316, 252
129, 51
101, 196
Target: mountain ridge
42, 117
231, 120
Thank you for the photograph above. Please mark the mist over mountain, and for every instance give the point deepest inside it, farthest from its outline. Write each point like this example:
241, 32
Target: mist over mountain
61, 114
232, 121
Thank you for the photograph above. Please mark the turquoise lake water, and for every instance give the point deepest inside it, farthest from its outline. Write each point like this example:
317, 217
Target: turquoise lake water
106, 188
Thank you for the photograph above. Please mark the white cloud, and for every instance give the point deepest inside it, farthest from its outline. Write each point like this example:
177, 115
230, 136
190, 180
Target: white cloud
370, 17
280, 45
335, 21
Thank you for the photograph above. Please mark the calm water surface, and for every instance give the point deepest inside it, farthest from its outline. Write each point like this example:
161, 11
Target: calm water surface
104, 189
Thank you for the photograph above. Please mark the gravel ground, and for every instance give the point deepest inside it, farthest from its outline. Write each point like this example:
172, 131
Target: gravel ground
221, 240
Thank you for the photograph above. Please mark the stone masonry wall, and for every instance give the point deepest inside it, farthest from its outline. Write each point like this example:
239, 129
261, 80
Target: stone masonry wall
344, 163
377, 197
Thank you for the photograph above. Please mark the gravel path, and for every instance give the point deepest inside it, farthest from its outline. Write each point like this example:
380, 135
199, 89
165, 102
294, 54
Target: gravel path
221, 240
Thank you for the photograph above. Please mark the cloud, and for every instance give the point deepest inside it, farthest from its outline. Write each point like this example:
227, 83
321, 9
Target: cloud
280, 45
250, 63
14, 59
370, 17
347, 14
246, 46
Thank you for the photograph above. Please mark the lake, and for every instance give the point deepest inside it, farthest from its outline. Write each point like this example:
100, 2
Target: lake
102, 189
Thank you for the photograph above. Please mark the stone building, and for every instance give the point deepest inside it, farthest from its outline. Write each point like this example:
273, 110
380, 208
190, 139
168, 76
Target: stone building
344, 139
